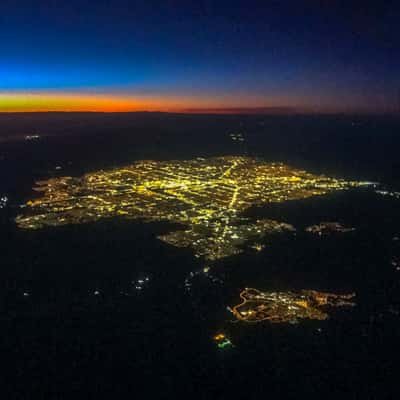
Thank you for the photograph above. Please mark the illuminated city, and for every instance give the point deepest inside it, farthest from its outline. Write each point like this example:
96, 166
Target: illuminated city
206, 196
325, 228
279, 307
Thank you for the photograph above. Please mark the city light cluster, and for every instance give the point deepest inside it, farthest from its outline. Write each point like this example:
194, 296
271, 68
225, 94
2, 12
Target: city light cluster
206, 196
325, 228
291, 307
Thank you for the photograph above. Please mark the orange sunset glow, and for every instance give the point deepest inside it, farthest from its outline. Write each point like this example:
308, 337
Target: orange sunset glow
232, 103
82, 102
45, 102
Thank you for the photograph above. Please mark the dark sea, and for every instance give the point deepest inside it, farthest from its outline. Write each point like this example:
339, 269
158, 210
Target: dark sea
75, 325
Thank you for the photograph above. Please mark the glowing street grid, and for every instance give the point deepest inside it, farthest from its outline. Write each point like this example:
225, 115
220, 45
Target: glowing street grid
279, 307
206, 196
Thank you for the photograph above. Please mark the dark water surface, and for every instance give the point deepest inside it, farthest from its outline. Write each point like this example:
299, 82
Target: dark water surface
75, 324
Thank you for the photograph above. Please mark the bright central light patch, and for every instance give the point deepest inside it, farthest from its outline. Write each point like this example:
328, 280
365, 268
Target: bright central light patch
206, 196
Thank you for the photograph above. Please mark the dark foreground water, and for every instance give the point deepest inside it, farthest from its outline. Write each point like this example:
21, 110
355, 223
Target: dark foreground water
102, 310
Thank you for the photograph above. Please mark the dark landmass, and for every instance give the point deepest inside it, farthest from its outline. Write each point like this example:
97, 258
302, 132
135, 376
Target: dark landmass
104, 308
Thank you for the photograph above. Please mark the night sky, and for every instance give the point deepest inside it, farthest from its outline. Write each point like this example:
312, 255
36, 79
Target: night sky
203, 56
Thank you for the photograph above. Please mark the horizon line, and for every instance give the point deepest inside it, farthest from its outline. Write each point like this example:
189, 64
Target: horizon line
218, 111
